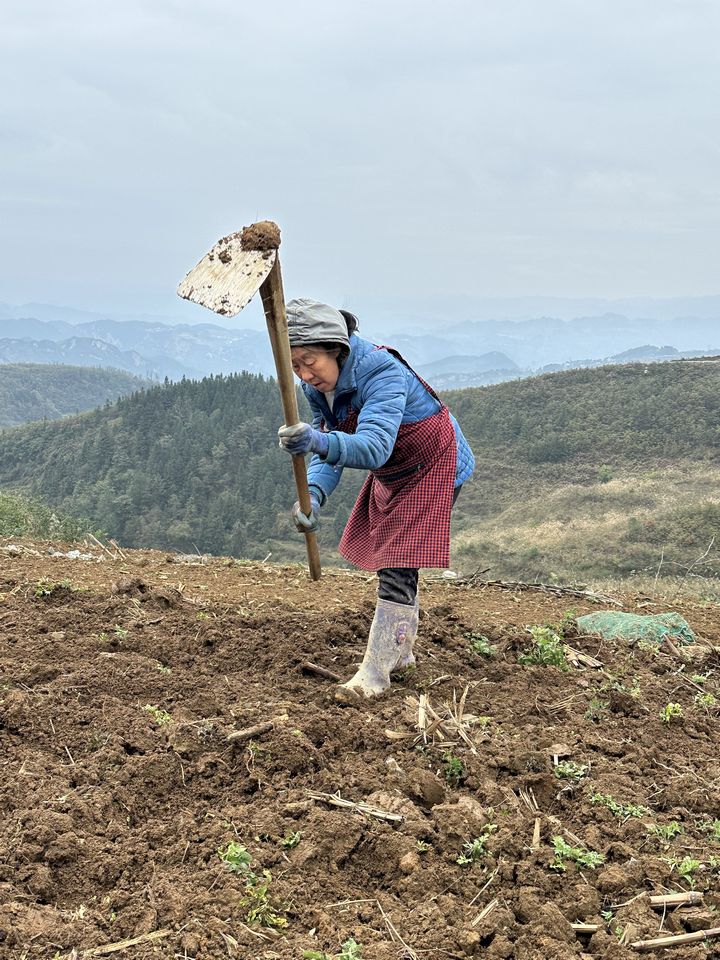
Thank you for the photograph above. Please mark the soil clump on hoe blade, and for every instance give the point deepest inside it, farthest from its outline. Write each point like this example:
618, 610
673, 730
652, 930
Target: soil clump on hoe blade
488, 806
263, 235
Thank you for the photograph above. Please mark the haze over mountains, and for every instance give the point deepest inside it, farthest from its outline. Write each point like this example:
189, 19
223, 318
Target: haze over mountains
469, 352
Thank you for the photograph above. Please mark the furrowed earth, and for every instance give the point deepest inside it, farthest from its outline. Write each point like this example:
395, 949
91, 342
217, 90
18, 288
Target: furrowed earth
126, 813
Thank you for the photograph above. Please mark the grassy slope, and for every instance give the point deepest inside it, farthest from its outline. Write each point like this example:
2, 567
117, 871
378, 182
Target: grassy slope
581, 474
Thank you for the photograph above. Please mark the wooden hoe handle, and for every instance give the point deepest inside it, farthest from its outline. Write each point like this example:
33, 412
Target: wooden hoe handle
273, 300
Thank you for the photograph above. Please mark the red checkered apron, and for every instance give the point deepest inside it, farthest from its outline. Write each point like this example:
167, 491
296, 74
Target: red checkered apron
402, 515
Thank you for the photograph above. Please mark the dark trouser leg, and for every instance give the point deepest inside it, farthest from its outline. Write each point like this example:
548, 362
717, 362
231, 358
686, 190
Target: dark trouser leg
398, 584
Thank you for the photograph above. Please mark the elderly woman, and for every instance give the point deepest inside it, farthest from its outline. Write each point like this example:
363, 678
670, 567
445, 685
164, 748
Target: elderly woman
371, 411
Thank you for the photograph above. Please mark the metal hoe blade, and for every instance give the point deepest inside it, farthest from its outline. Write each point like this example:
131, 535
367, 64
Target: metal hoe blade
228, 277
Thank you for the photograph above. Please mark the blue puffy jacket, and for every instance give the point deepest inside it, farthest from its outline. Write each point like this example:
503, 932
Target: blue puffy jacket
384, 393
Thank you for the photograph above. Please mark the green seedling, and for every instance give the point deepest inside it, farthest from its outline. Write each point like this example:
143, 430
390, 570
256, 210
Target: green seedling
202, 615
671, 711
597, 710
454, 769
350, 950
623, 810
159, 715
474, 850
260, 912
686, 868
422, 847
665, 832
713, 828
291, 840
706, 701
568, 770
46, 587
236, 858
699, 678
548, 649
579, 855
120, 633
480, 644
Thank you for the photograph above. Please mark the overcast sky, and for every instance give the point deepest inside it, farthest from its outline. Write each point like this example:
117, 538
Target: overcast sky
408, 149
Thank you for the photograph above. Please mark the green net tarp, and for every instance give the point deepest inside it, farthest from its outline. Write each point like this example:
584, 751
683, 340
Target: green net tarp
634, 626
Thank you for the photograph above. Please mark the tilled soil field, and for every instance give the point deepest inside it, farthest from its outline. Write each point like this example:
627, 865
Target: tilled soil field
510, 809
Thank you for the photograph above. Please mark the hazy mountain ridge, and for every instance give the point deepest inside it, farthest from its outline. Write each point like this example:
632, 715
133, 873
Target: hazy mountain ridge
521, 347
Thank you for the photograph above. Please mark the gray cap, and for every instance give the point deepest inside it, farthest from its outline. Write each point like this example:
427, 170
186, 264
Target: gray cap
312, 322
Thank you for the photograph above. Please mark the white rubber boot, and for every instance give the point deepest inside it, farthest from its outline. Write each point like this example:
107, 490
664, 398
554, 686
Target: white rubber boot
407, 657
391, 636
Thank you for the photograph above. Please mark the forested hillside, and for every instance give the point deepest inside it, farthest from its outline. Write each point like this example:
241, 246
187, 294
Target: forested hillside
585, 473
36, 391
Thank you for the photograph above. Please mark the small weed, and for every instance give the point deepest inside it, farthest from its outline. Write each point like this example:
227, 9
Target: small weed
162, 668
665, 832
597, 710
579, 855
291, 840
699, 678
567, 770
422, 847
474, 850
670, 712
260, 913
706, 701
159, 715
202, 615
686, 868
548, 649
623, 810
454, 769
350, 950
236, 858
713, 828
480, 644
46, 587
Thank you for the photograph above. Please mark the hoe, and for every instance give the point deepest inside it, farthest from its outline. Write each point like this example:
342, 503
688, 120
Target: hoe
226, 280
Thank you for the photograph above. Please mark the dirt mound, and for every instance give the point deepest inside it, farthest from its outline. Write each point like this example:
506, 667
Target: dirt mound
495, 804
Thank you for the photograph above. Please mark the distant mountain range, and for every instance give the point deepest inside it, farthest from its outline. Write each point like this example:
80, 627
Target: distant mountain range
470, 353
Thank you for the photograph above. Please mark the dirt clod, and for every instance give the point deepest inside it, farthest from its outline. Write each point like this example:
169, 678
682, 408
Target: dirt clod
263, 235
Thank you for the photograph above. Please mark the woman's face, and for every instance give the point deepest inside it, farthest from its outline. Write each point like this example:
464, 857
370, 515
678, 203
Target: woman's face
317, 367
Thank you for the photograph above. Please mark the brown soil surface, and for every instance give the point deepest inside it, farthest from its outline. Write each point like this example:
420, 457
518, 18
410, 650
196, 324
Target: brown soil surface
111, 820
263, 235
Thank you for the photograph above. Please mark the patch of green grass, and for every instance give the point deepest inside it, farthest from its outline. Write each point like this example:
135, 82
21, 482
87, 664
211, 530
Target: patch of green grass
597, 710
568, 770
622, 810
665, 832
547, 650
480, 644
453, 768
579, 855
159, 715
474, 850
46, 587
